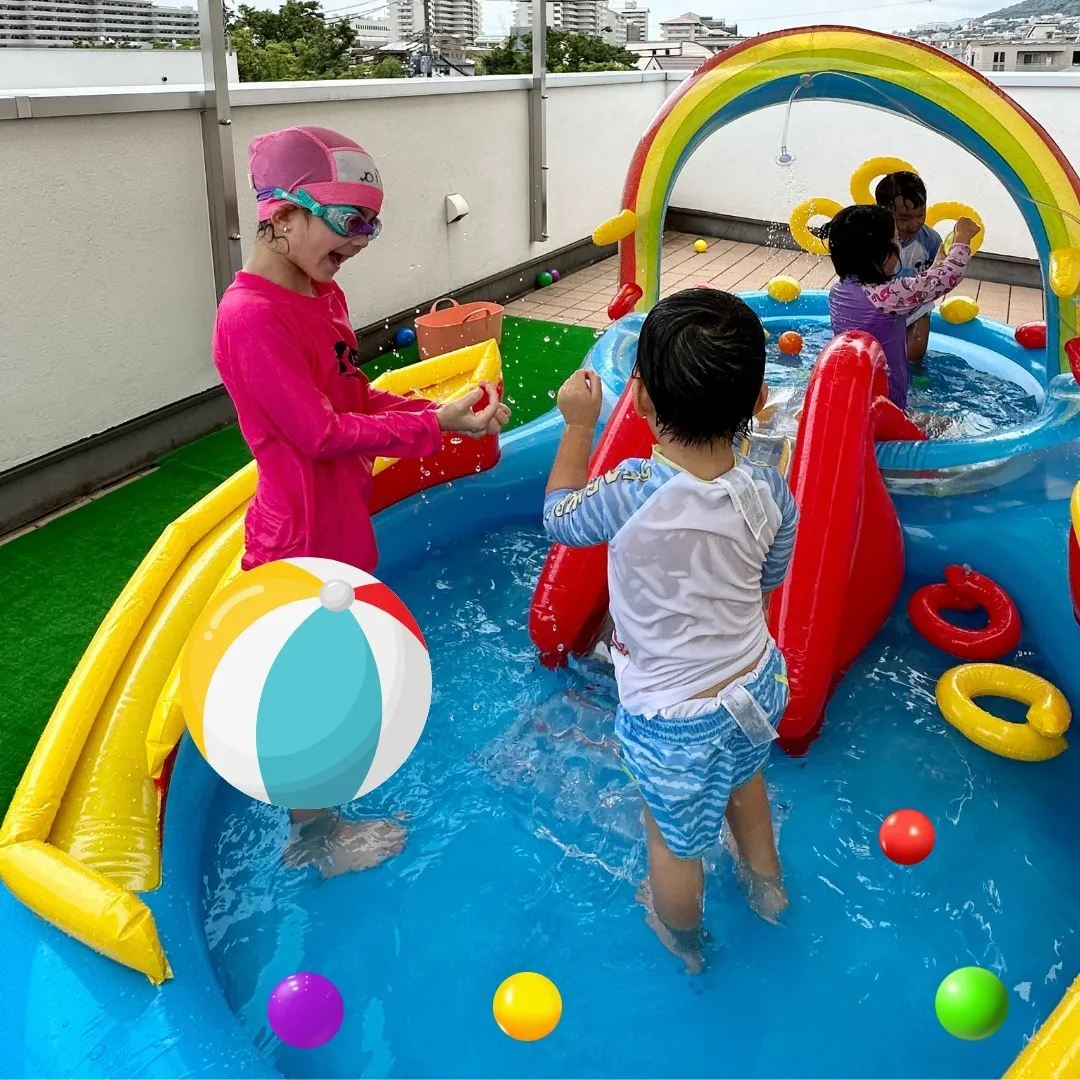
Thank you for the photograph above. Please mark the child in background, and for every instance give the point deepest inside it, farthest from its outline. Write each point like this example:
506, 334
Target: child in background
697, 538
904, 194
287, 354
865, 254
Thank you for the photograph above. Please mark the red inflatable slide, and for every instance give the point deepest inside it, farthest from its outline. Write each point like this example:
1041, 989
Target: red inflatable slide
848, 564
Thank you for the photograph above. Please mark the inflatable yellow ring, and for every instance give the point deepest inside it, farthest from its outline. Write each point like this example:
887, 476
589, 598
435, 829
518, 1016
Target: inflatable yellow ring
799, 223
950, 211
1048, 716
872, 170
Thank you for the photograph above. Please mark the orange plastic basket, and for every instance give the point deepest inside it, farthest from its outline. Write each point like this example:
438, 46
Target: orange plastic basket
446, 329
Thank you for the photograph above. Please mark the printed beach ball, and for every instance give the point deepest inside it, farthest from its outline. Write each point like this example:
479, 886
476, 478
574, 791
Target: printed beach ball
305, 683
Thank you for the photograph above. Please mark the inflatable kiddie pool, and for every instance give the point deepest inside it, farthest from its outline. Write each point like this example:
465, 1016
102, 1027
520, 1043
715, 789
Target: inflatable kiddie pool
154, 1005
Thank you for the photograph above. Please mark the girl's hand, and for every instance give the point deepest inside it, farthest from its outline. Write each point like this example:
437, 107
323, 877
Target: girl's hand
580, 399
458, 416
965, 231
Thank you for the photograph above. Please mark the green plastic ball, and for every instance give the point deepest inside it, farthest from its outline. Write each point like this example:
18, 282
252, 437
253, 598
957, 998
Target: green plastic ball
971, 1003
544, 279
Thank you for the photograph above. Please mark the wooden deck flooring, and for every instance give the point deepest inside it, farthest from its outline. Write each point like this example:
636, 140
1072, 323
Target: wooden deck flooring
582, 298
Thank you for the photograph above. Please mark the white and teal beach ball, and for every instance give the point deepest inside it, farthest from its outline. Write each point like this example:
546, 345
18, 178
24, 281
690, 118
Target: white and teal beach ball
305, 683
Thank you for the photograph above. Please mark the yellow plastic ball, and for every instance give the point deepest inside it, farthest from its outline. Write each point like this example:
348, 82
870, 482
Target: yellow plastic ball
527, 1006
959, 310
784, 289
700, 246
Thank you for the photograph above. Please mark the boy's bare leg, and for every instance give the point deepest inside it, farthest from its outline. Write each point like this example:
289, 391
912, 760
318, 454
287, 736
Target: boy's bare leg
918, 337
759, 864
672, 895
678, 885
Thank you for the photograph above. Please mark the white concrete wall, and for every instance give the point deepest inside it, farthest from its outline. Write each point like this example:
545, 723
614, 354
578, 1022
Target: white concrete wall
106, 287
35, 69
735, 171
106, 293
106, 290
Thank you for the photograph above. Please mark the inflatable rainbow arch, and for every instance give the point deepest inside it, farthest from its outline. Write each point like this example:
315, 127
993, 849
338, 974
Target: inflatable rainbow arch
884, 72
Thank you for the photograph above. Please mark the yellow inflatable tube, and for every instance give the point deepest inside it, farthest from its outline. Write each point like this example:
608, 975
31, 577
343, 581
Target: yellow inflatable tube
799, 223
81, 833
1048, 716
953, 211
1053, 1052
872, 170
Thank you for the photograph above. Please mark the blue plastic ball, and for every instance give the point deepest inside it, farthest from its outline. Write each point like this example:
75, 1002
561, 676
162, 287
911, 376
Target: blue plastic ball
405, 337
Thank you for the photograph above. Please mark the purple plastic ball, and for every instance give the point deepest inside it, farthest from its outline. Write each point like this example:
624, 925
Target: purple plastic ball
305, 1010
554, 274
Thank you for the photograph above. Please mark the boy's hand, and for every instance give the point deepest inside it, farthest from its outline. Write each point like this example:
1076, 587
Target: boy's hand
965, 231
580, 399
458, 415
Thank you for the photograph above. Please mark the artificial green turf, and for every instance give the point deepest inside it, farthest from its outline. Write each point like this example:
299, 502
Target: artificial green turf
58, 581
537, 357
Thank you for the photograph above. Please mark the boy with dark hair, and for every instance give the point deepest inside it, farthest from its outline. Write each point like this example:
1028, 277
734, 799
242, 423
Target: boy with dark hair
904, 195
697, 539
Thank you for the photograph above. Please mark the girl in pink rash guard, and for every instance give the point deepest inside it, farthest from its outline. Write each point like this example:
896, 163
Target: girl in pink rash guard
284, 345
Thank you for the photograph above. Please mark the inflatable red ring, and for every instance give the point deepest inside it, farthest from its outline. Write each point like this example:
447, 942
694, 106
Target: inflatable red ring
965, 590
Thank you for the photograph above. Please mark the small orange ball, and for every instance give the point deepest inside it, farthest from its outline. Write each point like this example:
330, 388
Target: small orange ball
790, 343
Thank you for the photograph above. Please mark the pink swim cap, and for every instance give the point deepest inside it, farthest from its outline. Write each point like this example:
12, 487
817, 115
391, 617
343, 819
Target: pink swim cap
331, 168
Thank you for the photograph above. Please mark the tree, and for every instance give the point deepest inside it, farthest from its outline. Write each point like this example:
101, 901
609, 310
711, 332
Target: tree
566, 51
292, 44
389, 67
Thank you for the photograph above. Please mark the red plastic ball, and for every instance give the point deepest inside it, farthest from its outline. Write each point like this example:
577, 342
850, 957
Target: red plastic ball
790, 343
1031, 335
906, 837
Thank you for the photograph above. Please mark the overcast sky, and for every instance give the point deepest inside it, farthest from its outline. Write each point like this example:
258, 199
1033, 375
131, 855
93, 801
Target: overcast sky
760, 16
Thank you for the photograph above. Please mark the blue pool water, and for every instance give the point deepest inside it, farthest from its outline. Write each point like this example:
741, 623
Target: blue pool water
525, 849
972, 402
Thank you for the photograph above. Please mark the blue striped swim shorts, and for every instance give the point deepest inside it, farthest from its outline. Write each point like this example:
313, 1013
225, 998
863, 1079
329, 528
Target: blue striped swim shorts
687, 768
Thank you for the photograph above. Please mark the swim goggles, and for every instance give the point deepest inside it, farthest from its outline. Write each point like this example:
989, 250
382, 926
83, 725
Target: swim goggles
349, 221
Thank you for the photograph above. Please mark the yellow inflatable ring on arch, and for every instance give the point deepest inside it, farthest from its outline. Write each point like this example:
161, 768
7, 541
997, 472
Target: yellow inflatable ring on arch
950, 211
872, 170
1048, 716
799, 223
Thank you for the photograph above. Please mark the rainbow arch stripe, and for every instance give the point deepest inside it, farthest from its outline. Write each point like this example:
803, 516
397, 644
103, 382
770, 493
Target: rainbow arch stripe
878, 70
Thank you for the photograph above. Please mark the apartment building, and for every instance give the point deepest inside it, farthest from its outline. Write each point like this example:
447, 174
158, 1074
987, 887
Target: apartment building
370, 32
693, 27
637, 21
456, 18
1050, 43
1026, 56
50, 23
592, 17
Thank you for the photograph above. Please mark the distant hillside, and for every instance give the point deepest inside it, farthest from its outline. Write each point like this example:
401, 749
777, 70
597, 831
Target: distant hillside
1028, 8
